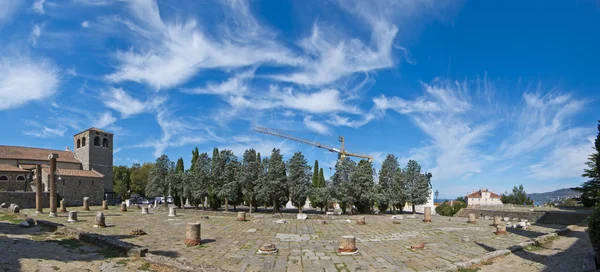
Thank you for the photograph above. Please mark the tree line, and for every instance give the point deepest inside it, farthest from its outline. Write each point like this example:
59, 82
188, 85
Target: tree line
222, 179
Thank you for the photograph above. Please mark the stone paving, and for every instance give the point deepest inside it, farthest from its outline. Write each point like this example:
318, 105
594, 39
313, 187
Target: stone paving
305, 245
36, 249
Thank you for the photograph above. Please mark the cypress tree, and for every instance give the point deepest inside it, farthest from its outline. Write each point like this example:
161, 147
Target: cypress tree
321, 179
195, 155
315, 176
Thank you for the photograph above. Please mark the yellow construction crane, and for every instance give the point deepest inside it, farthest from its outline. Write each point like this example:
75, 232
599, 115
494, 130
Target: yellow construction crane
342, 151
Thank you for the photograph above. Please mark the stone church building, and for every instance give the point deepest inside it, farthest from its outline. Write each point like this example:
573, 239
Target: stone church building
84, 172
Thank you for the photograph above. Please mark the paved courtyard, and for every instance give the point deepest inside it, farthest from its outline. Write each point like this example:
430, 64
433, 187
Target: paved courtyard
305, 245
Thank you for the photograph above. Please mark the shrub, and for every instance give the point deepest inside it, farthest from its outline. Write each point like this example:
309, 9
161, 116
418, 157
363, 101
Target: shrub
594, 226
446, 209
569, 202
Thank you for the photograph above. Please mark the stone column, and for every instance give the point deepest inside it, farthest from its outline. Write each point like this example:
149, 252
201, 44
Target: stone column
347, 245
501, 230
52, 183
123, 207
497, 220
361, 221
192, 234
241, 216
72, 217
144, 210
100, 220
86, 205
172, 212
63, 206
104, 205
471, 218
427, 214
38, 189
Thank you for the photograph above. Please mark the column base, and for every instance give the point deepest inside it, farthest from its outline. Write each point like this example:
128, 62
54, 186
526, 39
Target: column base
51, 214
38, 212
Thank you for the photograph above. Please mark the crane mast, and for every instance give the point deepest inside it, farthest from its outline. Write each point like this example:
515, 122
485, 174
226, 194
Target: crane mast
342, 151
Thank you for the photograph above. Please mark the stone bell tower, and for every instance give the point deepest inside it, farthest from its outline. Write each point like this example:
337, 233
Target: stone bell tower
94, 149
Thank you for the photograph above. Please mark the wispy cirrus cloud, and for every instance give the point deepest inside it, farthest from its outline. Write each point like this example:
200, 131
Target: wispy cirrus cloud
119, 100
42, 131
105, 120
32, 79
38, 6
316, 126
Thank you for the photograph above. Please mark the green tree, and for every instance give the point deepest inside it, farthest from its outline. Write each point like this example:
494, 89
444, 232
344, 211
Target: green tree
195, 155
461, 199
299, 180
418, 185
343, 170
158, 182
248, 176
177, 189
217, 179
139, 178
200, 180
322, 182
359, 189
273, 186
387, 180
121, 189
231, 191
517, 197
319, 198
591, 188
315, 177
122, 180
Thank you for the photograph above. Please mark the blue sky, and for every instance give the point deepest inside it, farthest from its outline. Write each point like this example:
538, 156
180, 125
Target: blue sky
484, 94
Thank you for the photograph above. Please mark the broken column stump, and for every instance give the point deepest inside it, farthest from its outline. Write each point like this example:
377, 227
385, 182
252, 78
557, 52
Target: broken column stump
241, 216
172, 212
63, 206
347, 245
144, 210
427, 215
72, 217
104, 205
123, 207
497, 221
471, 218
361, 221
192, 234
86, 205
501, 230
267, 249
100, 220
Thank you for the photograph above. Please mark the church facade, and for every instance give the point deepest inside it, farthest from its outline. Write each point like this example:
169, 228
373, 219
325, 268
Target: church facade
85, 171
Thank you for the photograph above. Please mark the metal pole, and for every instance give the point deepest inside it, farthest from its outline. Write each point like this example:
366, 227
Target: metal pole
52, 182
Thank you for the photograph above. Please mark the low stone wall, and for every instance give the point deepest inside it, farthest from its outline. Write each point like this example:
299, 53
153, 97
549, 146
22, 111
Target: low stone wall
25, 200
530, 216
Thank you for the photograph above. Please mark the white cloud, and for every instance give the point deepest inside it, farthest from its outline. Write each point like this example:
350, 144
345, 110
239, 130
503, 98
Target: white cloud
565, 161
337, 120
23, 79
405, 106
36, 31
117, 99
46, 132
265, 147
7, 9
105, 120
174, 52
236, 85
85, 24
316, 126
38, 6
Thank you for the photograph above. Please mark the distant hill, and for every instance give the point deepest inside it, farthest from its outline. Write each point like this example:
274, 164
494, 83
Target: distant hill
541, 198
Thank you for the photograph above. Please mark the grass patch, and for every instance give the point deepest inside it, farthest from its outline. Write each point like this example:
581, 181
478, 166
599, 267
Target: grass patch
469, 269
11, 218
70, 243
341, 267
55, 268
488, 262
533, 248
246, 247
122, 262
202, 246
145, 267
109, 253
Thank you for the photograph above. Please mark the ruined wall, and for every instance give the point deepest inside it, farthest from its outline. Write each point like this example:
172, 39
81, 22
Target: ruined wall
25, 200
74, 189
530, 216
13, 184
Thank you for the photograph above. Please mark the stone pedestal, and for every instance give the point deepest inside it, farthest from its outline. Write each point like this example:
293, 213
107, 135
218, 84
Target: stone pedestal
347, 245
427, 215
241, 216
471, 218
104, 205
361, 221
63, 206
267, 249
501, 230
123, 207
144, 210
497, 220
86, 205
172, 212
72, 217
100, 220
192, 234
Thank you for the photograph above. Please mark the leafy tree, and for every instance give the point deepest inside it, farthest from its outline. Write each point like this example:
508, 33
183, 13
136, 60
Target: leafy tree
200, 180
139, 178
315, 177
517, 197
122, 175
387, 180
177, 188
299, 177
217, 179
418, 185
446, 209
359, 190
231, 191
121, 189
273, 185
158, 183
343, 171
461, 199
591, 188
248, 176
195, 155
